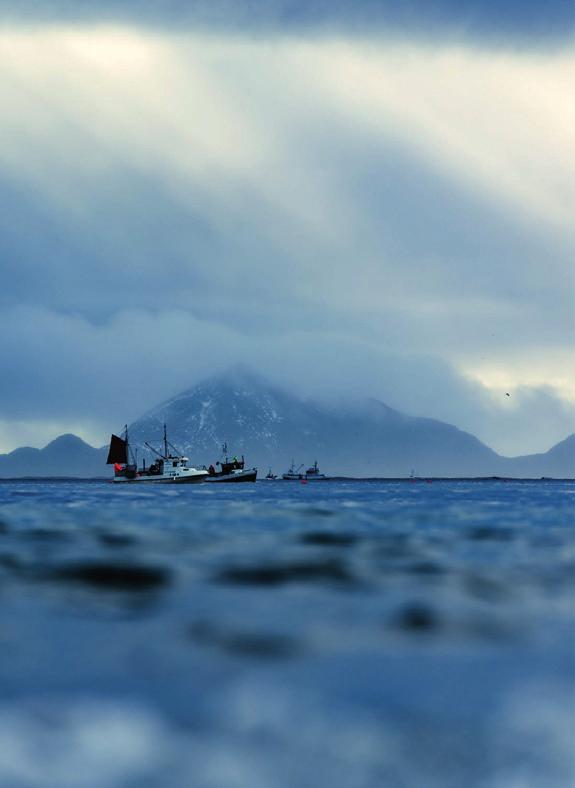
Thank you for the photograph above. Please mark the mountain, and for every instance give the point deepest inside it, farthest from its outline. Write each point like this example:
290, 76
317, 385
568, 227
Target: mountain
558, 462
67, 455
270, 427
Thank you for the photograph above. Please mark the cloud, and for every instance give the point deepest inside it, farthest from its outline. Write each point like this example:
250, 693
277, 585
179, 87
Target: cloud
528, 20
388, 218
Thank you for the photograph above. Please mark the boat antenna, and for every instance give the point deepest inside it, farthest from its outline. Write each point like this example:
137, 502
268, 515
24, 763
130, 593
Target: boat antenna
165, 441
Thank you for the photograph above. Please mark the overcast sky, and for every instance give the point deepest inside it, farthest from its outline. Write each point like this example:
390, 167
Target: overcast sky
351, 198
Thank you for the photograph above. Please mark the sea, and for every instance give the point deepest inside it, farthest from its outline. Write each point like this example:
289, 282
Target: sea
347, 634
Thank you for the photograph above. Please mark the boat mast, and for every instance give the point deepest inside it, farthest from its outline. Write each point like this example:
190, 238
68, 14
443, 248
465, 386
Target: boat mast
127, 445
165, 442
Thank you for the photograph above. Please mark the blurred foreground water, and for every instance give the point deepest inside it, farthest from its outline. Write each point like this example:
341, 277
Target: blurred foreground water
342, 634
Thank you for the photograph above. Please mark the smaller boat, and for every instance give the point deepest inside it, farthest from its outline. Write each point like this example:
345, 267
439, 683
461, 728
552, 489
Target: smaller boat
314, 473
293, 474
233, 470
270, 477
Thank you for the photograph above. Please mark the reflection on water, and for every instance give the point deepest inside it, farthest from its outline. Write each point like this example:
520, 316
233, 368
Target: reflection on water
344, 634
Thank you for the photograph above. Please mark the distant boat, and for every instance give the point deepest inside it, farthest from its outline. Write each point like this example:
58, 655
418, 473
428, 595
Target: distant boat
168, 468
311, 474
270, 477
314, 473
233, 470
293, 473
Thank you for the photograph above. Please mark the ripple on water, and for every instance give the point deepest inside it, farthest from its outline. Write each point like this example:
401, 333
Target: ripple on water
116, 539
490, 533
243, 642
329, 538
46, 534
416, 617
485, 588
328, 571
113, 576
427, 569
317, 511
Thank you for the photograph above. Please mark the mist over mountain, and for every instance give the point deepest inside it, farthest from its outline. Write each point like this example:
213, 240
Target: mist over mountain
271, 427
364, 438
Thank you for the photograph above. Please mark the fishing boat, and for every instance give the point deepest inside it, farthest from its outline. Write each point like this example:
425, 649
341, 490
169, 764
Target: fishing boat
168, 468
314, 473
233, 470
293, 474
270, 477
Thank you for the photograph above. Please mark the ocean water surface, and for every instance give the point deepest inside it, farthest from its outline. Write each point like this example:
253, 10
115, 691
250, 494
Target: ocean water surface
340, 633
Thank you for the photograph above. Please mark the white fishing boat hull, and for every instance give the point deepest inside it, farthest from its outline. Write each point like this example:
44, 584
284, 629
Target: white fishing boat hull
185, 476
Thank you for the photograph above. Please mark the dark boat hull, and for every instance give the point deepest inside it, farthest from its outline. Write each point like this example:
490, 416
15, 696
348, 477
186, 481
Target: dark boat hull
233, 478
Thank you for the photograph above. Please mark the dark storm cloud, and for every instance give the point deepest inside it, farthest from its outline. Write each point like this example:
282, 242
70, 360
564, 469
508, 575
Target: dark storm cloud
527, 19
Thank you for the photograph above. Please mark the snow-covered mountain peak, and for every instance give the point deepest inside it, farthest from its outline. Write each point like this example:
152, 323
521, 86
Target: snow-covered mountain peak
271, 426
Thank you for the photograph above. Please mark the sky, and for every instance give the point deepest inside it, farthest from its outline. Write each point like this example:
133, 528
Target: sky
354, 199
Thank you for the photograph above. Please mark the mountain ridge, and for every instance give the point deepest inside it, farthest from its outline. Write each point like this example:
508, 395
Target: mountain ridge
271, 427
